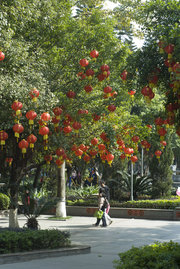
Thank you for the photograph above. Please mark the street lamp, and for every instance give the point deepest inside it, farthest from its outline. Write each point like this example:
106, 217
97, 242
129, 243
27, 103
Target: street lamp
142, 161
132, 172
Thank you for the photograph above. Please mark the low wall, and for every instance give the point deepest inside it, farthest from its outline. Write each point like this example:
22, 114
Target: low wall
137, 213
116, 212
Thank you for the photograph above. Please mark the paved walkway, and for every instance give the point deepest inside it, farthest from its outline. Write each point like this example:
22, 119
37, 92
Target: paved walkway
105, 243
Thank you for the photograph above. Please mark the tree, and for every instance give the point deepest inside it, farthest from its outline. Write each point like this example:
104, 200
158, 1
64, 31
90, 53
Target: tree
31, 61
153, 62
153, 71
21, 70
61, 194
44, 51
161, 172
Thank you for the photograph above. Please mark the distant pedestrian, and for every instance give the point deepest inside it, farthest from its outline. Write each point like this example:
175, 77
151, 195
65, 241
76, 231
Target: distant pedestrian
27, 198
103, 204
104, 192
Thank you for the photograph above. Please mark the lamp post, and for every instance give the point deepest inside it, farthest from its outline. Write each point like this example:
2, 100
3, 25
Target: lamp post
132, 181
142, 162
134, 159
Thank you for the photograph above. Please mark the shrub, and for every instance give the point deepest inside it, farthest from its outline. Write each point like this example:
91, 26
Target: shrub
84, 193
27, 240
35, 209
153, 204
81, 202
156, 256
141, 184
4, 201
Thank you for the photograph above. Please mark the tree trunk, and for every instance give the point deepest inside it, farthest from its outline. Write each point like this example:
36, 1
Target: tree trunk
61, 192
35, 183
14, 188
13, 219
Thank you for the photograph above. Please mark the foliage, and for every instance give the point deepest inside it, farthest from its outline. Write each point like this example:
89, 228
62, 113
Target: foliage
4, 201
61, 48
59, 218
32, 223
86, 192
81, 202
141, 184
43, 51
25, 34
157, 256
161, 172
158, 21
36, 208
27, 240
153, 204
43, 42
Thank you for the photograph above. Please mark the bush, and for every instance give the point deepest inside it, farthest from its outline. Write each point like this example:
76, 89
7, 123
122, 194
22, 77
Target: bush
141, 184
27, 240
4, 201
81, 202
156, 256
83, 193
153, 204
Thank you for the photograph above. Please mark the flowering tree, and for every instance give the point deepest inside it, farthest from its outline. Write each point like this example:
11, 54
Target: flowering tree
89, 91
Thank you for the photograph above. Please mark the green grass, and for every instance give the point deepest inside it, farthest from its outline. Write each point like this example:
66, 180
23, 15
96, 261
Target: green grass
60, 218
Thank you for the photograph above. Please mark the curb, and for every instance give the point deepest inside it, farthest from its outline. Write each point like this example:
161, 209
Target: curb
42, 254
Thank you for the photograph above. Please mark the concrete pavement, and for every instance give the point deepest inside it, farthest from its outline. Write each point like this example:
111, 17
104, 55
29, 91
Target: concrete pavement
105, 243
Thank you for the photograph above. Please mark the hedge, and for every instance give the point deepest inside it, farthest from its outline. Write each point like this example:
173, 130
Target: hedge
157, 256
4, 201
154, 204
27, 240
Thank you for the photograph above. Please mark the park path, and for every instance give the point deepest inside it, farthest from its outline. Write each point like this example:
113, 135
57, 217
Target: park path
105, 243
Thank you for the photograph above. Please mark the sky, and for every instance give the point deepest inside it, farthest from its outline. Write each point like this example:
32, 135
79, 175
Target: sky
110, 5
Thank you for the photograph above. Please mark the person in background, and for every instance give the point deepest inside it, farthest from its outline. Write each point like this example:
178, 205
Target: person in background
93, 177
102, 206
27, 198
104, 192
